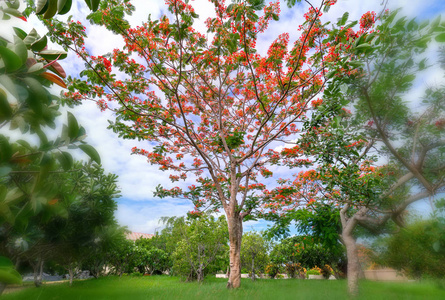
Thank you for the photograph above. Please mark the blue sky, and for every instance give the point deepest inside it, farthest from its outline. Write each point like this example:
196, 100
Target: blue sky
138, 209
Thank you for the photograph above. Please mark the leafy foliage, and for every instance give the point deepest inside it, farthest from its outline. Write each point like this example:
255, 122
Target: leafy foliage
254, 253
417, 249
203, 243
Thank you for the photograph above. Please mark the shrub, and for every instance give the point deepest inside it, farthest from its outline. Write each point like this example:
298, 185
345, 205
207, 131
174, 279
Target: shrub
294, 270
272, 270
314, 271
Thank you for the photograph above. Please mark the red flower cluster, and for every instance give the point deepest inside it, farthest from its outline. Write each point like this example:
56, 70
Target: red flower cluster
367, 20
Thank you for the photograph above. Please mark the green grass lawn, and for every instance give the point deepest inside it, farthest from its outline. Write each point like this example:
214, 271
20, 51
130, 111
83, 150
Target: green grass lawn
165, 287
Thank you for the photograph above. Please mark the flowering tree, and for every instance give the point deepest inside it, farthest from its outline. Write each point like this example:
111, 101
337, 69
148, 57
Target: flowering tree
214, 106
348, 182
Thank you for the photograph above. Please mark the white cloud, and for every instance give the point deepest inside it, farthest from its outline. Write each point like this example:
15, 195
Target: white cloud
144, 217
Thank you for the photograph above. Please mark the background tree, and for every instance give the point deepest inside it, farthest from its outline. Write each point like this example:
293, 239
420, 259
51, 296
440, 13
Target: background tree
107, 239
157, 260
411, 140
203, 241
91, 196
418, 249
298, 252
254, 253
125, 257
222, 107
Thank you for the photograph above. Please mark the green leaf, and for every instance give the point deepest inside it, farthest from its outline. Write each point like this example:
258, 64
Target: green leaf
10, 276
440, 38
13, 4
52, 9
13, 12
40, 44
5, 149
37, 95
20, 49
31, 37
88, 2
13, 195
392, 16
331, 74
364, 46
5, 108
25, 144
60, 5
91, 152
20, 33
94, 4
35, 67
65, 8
44, 144
5, 262
52, 54
408, 78
4, 171
422, 64
73, 126
343, 19
423, 24
41, 6
412, 25
65, 159
435, 22
7, 82
11, 60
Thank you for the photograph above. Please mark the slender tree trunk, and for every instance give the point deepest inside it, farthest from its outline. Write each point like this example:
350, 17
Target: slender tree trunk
235, 225
71, 273
38, 272
41, 269
353, 263
253, 269
17, 263
200, 273
348, 239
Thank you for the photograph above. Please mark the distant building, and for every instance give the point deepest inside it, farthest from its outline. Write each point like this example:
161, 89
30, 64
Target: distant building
137, 235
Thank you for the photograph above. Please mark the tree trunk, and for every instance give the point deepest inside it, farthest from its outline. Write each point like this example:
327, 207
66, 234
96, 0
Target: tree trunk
253, 269
17, 263
353, 262
235, 225
71, 273
200, 274
38, 272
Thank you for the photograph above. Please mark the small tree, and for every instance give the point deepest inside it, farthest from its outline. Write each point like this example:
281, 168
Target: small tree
124, 257
203, 240
157, 260
254, 253
418, 249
